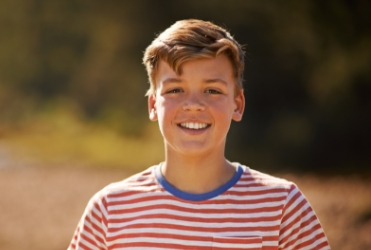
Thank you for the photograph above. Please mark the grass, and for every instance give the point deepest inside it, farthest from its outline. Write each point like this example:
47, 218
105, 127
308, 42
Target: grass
61, 137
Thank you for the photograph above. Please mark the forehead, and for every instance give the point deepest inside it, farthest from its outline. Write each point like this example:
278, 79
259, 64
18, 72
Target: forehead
204, 69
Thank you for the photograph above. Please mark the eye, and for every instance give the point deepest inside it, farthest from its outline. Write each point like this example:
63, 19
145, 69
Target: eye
174, 91
213, 91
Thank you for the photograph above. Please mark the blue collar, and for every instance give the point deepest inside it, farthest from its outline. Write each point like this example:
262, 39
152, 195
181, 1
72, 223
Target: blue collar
196, 197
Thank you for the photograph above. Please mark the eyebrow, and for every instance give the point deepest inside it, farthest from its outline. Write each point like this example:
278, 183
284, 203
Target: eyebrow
178, 80
213, 80
172, 80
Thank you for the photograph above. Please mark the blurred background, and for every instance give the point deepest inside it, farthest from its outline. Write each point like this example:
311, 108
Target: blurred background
73, 115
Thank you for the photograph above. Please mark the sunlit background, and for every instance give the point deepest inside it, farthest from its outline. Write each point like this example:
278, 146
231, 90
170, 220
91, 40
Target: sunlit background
73, 115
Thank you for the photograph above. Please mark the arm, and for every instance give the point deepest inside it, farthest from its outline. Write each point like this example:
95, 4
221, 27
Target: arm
300, 227
91, 230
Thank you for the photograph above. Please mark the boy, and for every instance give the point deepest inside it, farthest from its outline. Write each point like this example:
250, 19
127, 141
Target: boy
196, 199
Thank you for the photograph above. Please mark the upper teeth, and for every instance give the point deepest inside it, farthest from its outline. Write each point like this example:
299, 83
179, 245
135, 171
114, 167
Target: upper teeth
193, 125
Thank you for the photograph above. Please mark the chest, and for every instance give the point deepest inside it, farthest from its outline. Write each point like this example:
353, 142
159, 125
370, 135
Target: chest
219, 224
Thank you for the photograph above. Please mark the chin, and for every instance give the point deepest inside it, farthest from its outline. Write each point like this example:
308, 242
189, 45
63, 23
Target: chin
194, 149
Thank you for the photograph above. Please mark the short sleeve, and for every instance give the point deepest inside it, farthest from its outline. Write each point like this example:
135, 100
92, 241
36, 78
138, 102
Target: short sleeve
92, 227
300, 227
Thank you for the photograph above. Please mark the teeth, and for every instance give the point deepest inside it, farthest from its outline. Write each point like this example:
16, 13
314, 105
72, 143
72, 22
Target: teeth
193, 125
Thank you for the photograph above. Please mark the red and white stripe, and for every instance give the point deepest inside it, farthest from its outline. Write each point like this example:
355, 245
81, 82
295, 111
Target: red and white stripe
258, 212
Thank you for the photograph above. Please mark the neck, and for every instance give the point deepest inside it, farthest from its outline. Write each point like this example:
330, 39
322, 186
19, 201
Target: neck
198, 174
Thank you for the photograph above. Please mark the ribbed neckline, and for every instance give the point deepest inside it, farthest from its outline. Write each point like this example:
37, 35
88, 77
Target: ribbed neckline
196, 197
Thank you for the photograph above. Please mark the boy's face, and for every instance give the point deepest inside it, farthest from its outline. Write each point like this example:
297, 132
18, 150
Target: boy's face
195, 109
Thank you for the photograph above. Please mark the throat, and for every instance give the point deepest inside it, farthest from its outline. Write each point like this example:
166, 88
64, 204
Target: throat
198, 179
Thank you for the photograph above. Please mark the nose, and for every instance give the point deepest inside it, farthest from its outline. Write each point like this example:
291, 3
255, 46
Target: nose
193, 103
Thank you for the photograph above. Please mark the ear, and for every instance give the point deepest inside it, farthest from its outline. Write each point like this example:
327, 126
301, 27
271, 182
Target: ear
152, 107
240, 106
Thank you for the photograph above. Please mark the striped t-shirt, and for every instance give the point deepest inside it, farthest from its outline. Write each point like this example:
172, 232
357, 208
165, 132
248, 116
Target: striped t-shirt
252, 211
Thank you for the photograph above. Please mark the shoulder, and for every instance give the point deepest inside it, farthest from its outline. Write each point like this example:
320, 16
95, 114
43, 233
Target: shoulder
137, 184
254, 178
275, 189
268, 187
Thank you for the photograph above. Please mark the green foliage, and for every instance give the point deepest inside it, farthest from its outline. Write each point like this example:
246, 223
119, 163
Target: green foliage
307, 71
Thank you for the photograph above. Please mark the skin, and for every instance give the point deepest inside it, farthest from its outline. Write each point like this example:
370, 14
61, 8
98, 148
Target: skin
203, 95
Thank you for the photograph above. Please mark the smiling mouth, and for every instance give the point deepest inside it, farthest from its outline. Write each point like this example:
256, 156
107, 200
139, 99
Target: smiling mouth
193, 125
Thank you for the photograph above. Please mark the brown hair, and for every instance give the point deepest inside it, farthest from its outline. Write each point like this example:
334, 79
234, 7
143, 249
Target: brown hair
192, 39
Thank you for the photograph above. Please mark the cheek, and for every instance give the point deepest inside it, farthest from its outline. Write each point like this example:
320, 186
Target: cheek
222, 106
165, 110
168, 104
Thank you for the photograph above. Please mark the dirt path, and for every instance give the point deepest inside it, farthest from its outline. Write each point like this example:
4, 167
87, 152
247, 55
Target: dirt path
40, 207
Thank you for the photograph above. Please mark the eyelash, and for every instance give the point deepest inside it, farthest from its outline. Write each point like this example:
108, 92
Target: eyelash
213, 91
209, 91
173, 91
